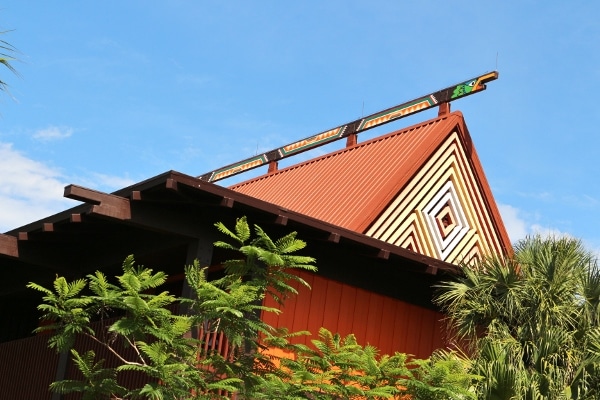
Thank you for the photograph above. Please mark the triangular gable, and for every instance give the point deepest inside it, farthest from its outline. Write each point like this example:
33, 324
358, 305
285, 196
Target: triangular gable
421, 188
443, 212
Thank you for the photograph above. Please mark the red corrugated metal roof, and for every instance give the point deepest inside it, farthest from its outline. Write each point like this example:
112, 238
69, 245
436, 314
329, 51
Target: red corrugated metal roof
351, 187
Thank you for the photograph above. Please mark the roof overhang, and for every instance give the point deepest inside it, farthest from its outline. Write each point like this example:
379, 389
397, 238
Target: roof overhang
173, 208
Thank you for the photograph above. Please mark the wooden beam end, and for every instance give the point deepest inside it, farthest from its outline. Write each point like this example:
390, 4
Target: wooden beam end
171, 184
9, 246
334, 237
384, 254
227, 202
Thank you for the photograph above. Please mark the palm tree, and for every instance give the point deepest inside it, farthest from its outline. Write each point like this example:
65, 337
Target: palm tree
530, 321
6, 52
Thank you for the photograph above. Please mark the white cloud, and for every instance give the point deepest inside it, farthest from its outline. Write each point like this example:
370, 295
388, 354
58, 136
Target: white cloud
105, 182
29, 190
545, 231
53, 133
518, 227
515, 225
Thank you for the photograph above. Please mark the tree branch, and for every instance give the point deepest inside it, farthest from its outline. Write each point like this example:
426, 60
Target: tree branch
114, 351
132, 344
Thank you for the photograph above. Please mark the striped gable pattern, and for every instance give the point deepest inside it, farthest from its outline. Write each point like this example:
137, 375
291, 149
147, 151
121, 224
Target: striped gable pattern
441, 212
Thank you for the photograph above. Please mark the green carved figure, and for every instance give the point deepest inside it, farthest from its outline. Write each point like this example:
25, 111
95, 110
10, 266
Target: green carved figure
463, 89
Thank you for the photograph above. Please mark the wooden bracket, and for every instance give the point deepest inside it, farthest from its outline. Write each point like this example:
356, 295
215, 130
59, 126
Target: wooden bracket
171, 184
384, 254
272, 167
444, 109
432, 270
351, 139
334, 237
227, 202
281, 220
105, 204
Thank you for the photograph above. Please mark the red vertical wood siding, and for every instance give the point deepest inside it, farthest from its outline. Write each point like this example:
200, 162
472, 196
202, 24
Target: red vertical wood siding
332, 307
27, 367
389, 324
346, 317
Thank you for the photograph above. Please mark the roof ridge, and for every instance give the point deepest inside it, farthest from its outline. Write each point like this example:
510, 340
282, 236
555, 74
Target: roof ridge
389, 135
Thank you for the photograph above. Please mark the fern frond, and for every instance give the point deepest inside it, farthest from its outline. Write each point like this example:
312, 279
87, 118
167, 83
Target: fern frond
242, 230
39, 288
223, 229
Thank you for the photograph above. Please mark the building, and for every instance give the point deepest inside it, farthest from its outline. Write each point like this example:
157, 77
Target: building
384, 218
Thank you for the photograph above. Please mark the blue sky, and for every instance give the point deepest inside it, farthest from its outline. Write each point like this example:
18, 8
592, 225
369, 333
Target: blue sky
112, 93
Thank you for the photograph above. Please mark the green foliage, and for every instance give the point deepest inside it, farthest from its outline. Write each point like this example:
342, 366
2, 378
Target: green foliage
262, 251
444, 376
334, 368
66, 310
98, 382
340, 368
6, 59
531, 320
139, 329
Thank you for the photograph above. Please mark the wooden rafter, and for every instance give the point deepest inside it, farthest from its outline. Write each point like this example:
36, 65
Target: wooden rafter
104, 204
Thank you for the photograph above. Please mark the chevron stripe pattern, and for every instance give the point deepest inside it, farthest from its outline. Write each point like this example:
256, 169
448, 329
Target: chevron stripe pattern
398, 112
241, 167
441, 211
312, 141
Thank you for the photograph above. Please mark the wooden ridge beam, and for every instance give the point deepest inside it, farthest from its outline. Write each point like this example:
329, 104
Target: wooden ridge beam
104, 204
440, 98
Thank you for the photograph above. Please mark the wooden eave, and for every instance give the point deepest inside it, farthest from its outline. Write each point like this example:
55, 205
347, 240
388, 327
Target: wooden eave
168, 209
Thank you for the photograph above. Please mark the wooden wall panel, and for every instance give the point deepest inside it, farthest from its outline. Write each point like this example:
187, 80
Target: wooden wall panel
316, 306
413, 337
27, 367
401, 321
389, 324
426, 339
332, 307
360, 317
302, 309
345, 319
374, 319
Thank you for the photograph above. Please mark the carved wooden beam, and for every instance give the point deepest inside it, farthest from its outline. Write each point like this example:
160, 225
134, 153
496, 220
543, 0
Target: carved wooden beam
443, 96
105, 204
